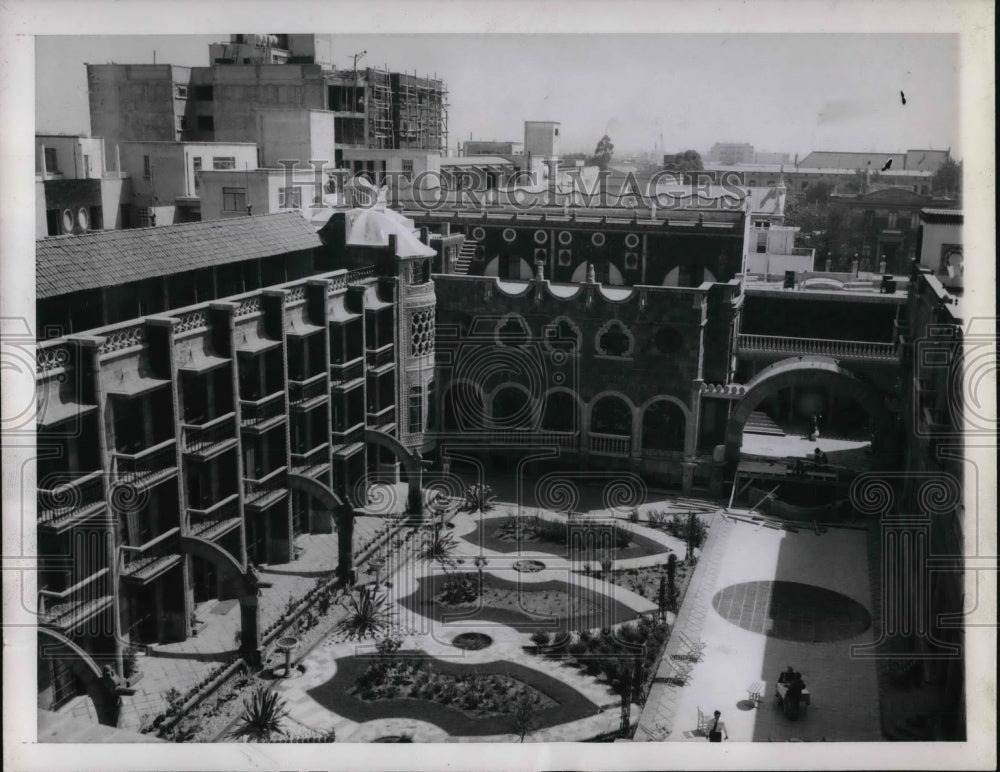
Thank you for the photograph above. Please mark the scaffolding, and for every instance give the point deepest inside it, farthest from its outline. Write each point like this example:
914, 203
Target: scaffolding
380, 111
421, 112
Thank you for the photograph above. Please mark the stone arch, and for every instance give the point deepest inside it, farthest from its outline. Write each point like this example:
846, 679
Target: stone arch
463, 406
101, 689
802, 371
550, 425
524, 415
343, 517
241, 582
661, 416
411, 463
602, 420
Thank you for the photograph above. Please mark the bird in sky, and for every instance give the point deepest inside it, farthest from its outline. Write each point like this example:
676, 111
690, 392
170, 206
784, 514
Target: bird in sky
888, 165
903, 97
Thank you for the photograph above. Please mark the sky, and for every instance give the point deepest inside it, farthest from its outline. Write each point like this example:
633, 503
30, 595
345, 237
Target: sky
789, 93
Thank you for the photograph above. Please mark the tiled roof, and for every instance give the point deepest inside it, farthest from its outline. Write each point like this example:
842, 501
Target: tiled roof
108, 258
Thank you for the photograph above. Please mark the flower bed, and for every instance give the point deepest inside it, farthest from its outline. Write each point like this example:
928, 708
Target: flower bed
581, 538
561, 703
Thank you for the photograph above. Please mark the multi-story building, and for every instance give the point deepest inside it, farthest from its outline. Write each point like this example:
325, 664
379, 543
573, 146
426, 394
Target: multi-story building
731, 153
182, 437
75, 191
939, 245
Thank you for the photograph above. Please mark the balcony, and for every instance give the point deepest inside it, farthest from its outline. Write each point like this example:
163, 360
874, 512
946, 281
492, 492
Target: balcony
310, 393
610, 444
312, 461
360, 274
935, 422
344, 374
61, 507
72, 607
217, 520
262, 493
262, 414
144, 564
381, 358
210, 439
782, 346
566, 440
379, 418
147, 467
343, 440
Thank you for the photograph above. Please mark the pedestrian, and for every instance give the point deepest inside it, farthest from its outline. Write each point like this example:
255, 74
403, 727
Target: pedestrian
717, 729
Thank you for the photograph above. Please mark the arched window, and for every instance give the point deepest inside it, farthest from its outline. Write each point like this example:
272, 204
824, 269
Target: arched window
562, 413
511, 408
663, 426
614, 340
611, 415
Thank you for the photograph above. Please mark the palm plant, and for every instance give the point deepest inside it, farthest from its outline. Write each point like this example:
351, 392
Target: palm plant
479, 498
367, 614
263, 712
439, 546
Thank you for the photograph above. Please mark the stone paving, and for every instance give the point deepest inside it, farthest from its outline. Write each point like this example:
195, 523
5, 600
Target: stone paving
182, 665
845, 704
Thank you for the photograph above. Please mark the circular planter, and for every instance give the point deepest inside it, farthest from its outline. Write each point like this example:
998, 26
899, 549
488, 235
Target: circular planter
529, 566
471, 641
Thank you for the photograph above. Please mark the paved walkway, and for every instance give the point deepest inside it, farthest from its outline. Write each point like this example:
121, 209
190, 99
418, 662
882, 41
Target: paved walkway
184, 664
845, 702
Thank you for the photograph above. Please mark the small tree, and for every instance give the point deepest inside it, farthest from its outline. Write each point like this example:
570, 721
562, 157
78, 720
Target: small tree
603, 152
522, 715
263, 712
661, 595
671, 588
479, 498
440, 546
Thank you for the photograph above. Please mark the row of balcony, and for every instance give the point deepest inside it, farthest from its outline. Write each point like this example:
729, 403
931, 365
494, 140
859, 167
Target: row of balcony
782, 345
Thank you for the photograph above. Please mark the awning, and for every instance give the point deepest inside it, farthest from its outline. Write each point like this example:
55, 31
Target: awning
338, 310
372, 300
301, 329
54, 411
249, 341
134, 385
201, 361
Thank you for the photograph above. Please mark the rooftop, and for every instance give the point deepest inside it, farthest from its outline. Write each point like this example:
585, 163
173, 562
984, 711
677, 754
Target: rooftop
98, 259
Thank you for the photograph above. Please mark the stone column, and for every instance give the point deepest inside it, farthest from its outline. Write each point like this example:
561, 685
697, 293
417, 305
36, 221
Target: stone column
345, 543
250, 643
687, 483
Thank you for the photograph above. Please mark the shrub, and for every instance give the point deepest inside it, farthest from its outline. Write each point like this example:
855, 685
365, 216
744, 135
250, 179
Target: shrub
540, 638
479, 498
263, 712
633, 516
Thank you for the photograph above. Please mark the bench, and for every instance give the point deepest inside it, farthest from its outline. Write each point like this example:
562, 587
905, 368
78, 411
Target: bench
756, 691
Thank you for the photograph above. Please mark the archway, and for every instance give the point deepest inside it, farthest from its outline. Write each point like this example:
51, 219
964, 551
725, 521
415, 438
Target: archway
243, 584
343, 518
664, 425
803, 372
412, 465
102, 688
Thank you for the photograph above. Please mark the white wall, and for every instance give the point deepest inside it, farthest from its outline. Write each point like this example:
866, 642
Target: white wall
935, 236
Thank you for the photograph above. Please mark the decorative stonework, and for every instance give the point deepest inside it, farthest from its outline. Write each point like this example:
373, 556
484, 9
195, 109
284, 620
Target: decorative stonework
613, 339
127, 337
422, 333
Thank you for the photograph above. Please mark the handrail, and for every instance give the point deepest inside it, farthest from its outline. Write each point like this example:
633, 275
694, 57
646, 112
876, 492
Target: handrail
62, 594
268, 477
150, 544
209, 513
817, 346
211, 424
144, 453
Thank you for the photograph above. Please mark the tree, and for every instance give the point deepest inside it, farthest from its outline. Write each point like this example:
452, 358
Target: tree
522, 715
819, 193
262, 714
685, 163
671, 589
948, 178
602, 154
479, 498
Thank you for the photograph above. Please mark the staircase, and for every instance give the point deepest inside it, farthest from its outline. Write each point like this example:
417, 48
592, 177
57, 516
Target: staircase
761, 423
465, 256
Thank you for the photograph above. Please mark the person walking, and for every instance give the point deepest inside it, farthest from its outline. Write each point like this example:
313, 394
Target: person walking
717, 729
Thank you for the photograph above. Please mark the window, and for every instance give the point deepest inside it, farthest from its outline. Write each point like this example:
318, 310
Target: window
203, 93
289, 198
52, 221
182, 91
182, 123
557, 132
51, 160
234, 199
892, 220
142, 216
147, 168
196, 167
223, 162
761, 243
96, 218
416, 410
408, 170
206, 123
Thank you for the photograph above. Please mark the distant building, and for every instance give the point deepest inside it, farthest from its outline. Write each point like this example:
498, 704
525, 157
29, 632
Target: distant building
911, 160
939, 247
771, 158
491, 147
541, 138
75, 191
890, 220
731, 153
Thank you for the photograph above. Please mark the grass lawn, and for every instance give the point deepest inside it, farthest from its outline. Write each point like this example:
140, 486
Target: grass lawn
566, 704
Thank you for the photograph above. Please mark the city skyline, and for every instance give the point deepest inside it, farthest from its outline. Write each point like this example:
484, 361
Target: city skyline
824, 92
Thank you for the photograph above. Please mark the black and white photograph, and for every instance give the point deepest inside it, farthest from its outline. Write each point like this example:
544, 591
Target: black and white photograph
481, 375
